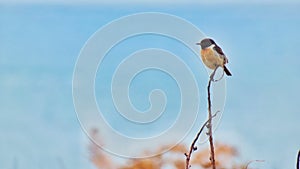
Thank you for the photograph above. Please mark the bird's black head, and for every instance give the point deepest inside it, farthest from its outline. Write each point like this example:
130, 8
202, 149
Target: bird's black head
205, 43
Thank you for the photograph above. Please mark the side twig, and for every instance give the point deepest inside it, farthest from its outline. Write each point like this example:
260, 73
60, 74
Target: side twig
250, 162
193, 147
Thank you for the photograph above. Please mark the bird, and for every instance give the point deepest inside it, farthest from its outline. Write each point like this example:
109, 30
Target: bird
212, 55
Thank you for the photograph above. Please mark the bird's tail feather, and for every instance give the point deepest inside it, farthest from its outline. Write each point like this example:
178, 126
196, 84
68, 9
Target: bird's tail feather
227, 71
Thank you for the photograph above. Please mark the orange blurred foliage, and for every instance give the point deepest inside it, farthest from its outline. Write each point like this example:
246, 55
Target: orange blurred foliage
226, 158
97, 156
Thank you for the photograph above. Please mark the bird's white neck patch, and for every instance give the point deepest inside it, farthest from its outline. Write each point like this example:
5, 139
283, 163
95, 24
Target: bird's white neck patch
212, 46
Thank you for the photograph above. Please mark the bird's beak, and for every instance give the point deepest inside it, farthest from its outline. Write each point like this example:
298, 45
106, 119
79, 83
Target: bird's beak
197, 43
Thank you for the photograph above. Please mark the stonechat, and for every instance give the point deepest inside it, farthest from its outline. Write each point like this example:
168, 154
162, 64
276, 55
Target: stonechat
212, 55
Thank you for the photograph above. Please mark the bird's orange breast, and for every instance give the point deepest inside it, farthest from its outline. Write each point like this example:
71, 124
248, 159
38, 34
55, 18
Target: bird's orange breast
206, 53
210, 59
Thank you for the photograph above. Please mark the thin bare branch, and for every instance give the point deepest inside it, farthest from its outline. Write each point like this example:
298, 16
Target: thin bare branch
193, 147
15, 163
250, 162
209, 125
298, 160
61, 163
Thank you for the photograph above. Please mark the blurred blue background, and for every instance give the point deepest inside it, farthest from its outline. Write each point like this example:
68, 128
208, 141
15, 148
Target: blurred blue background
39, 45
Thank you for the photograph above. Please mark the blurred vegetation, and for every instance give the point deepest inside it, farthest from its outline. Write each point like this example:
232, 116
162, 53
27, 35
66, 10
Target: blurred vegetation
227, 157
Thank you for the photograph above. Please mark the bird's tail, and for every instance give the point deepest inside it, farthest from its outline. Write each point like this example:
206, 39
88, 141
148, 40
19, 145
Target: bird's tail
227, 71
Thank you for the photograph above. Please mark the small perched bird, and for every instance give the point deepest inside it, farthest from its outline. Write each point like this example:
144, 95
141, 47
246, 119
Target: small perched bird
212, 55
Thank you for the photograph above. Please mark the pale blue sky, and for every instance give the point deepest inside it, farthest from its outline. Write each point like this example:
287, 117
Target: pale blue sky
39, 45
154, 2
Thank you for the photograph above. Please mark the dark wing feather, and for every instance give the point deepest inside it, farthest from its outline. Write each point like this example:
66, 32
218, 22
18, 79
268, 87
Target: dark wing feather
219, 50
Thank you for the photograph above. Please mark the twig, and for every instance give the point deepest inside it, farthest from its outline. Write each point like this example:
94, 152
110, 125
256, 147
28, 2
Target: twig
193, 147
15, 163
250, 162
209, 125
61, 163
212, 77
298, 160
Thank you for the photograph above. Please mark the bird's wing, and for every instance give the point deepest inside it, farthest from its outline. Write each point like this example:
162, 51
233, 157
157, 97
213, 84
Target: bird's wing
219, 50
221, 53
